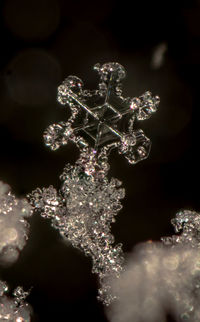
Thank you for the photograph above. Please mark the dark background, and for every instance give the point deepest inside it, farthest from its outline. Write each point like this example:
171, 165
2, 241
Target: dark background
42, 42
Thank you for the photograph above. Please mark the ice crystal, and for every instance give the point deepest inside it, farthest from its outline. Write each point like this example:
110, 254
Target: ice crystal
187, 224
87, 202
83, 210
14, 309
13, 224
103, 117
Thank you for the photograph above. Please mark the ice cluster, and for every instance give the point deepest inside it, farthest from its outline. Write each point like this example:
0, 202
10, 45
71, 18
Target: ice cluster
85, 206
159, 278
13, 224
162, 278
14, 308
83, 210
187, 224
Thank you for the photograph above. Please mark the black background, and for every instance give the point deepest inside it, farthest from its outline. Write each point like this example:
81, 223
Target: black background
42, 42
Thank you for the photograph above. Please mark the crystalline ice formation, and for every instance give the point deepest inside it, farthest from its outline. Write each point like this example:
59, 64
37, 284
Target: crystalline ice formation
13, 224
14, 309
103, 117
83, 211
187, 224
85, 206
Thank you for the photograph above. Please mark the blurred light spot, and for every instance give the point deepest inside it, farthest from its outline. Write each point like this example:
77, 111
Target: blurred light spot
32, 78
158, 56
11, 234
169, 286
32, 19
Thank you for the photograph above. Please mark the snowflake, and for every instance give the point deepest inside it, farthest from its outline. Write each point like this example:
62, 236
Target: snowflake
103, 117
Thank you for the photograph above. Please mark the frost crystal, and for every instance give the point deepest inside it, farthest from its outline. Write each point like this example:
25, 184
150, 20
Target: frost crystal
187, 223
13, 224
87, 202
83, 211
14, 309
